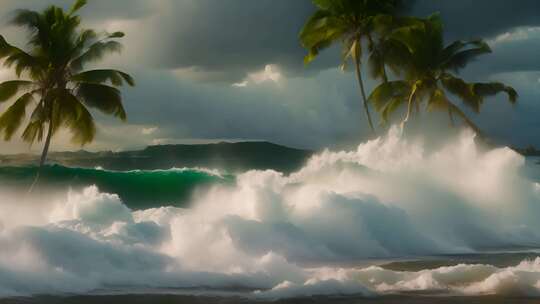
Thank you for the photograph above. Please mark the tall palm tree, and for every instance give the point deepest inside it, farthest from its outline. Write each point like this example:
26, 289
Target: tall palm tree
348, 22
427, 66
383, 50
55, 88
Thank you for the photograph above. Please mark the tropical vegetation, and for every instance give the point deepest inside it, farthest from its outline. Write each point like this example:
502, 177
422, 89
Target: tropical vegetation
412, 49
429, 71
52, 90
348, 22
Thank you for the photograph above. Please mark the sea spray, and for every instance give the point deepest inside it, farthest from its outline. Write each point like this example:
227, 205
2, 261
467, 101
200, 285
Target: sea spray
294, 235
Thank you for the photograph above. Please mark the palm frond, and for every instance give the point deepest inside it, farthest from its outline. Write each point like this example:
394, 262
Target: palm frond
95, 52
102, 97
71, 113
376, 65
437, 100
463, 90
320, 31
57, 52
116, 35
387, 92
35, 128
33, 132
324, 4
22, 60
8, 89
83, 130
26, 18
453, 58
115, 77
12, 118
77, 6
493, 88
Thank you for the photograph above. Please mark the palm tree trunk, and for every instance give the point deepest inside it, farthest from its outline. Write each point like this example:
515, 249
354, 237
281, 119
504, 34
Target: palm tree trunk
44, 153
363, 92
46, 146
469, 122
409, 107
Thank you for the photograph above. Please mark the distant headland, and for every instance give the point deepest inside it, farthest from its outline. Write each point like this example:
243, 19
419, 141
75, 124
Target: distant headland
231, 157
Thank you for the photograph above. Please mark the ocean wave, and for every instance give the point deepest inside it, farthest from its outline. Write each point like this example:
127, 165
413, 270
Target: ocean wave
283, 235
459, 280
139, 189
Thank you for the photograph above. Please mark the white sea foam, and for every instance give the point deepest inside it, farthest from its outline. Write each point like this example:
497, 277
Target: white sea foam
389, 198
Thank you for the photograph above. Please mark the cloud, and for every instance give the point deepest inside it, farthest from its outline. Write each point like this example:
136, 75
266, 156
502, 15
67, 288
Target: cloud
516, 34
208, 69
95, 10
149, 130
227, 40
270, 73
464, 19
296, 114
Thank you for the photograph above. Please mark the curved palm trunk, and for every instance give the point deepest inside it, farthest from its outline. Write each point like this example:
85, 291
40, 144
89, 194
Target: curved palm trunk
46, 147
466, 119
363, 92
44, 153
409, 107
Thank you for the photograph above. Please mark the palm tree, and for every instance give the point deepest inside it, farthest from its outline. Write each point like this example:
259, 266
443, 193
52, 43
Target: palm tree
383, 51
427, 66
348, 22
55, 88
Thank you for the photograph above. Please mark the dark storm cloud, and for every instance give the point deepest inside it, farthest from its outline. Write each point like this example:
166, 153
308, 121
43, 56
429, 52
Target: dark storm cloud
236, 36
220, 42
225, 40
96, 10
518, 55
465, 19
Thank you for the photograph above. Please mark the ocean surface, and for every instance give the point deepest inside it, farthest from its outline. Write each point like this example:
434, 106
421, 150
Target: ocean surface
138, 189
392, 221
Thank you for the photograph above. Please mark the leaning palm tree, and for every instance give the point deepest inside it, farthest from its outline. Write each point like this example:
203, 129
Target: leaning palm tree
52, 90
427, 66
348, 22
385, 52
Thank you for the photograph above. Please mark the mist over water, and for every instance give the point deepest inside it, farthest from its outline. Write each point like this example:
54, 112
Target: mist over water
286, 236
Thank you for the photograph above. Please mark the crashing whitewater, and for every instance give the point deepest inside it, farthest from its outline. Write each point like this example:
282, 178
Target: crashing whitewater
287, 236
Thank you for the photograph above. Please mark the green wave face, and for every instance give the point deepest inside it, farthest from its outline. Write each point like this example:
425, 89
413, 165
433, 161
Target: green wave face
137, 189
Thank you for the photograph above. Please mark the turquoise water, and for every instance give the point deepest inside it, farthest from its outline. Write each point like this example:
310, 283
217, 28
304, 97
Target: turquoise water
142, 189
137, 189
457, 226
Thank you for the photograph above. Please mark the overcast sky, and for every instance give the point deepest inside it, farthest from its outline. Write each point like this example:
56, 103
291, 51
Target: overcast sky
210, 70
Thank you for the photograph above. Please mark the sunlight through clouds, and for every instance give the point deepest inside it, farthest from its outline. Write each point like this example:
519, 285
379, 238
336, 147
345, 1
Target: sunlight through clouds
270, 73
516, 34
149, 130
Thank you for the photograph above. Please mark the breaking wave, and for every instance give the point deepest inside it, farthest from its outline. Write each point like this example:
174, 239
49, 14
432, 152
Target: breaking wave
138, 189
296, 235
